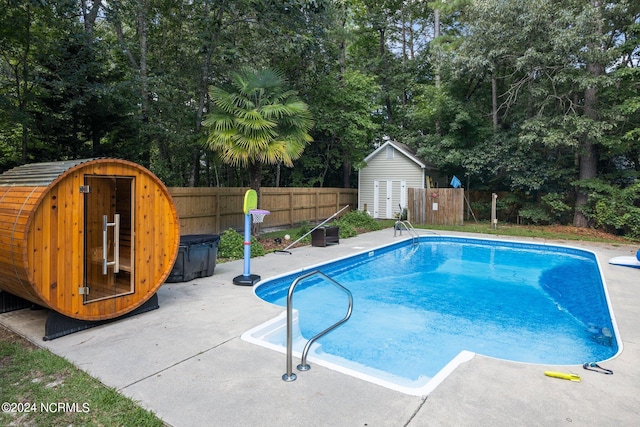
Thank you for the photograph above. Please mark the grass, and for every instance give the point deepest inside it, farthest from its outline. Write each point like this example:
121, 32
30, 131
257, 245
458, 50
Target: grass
43, 389
542, 232
293, 233
52, 392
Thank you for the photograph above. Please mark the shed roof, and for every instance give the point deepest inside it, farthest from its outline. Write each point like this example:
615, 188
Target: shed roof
38, 174
406, 151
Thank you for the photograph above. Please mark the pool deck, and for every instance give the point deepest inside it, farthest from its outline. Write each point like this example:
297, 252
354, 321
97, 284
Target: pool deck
187, 363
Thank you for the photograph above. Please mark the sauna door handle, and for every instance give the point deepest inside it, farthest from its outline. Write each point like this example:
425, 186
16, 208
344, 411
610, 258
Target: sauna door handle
116, 243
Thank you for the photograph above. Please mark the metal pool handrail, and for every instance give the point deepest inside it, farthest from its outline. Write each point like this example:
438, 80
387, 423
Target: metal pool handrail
303, 366
415, 237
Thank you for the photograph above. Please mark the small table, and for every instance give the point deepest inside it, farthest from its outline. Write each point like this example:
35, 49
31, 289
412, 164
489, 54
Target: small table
324, 236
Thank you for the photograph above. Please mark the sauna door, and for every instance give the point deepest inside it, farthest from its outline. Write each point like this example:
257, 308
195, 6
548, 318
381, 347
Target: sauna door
108, 237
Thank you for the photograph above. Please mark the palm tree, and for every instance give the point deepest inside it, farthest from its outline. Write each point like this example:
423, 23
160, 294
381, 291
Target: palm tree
257, 122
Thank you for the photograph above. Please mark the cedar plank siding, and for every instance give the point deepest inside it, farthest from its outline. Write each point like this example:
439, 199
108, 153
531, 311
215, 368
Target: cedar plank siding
44, 224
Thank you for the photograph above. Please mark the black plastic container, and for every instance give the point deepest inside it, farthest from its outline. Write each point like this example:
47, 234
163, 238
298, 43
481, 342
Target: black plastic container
196, 257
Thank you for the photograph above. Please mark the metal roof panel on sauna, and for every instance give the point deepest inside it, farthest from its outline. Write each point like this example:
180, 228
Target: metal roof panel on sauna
91, 239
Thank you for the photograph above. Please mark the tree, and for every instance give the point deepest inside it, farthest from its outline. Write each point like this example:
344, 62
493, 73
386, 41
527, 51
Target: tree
258, 122
23, 27
552, 66
345, 126
59, 94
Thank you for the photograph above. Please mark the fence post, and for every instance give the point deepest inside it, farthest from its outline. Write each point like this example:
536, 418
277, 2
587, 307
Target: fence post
217, 226
494, 219
291, 208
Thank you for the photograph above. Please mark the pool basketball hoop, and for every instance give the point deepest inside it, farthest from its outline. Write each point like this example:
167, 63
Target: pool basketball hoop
258, 215
250, 210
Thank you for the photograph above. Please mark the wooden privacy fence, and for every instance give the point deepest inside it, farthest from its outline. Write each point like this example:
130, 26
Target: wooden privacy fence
440, 206
204, 210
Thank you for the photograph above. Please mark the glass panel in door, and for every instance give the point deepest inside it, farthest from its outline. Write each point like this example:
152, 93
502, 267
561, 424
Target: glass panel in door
108, 237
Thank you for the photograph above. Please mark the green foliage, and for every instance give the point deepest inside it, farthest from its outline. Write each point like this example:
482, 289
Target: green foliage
39, 377
344, 126
258, 120
303, 229
358, 220
346, 230
556, 206
71, 87
481, 209
232, 245
550, 209
534, 214
507, 207
613, 208
557, 88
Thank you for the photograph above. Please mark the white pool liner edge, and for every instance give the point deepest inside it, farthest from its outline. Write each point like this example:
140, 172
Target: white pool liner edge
421, 387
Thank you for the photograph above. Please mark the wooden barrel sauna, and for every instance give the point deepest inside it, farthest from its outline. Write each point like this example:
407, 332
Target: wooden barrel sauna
91, 239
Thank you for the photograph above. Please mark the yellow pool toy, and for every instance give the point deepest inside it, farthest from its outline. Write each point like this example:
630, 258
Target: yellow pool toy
563, 375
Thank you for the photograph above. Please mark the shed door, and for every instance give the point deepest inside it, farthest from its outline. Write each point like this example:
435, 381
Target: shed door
388, 196
108, 237
389, 200
379, 193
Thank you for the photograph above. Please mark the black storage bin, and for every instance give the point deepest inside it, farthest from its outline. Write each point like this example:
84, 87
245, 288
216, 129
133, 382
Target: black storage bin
196, 257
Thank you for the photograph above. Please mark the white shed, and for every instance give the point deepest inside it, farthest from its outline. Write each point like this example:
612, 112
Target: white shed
390, 170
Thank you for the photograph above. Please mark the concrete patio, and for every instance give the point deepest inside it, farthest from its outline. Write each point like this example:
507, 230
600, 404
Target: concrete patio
187, 363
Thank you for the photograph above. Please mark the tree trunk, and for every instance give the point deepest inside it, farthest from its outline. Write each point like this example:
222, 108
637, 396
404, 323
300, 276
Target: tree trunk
494, 102
588, 155
23, 86
143, 11
203, 90
194, 173
255, 177
89, 15
436, 34
346, 172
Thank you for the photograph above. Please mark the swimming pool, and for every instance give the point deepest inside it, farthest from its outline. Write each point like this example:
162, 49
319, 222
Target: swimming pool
420, 310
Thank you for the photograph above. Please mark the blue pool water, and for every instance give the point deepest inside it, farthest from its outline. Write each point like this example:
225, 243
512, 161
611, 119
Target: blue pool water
416, 307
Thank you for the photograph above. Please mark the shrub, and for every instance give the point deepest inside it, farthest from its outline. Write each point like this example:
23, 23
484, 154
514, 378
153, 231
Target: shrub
507, 207
550, 209
482, 210
346, 230
232, 245
613, 208
358, 220
534, 214
558, 210
304, 229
